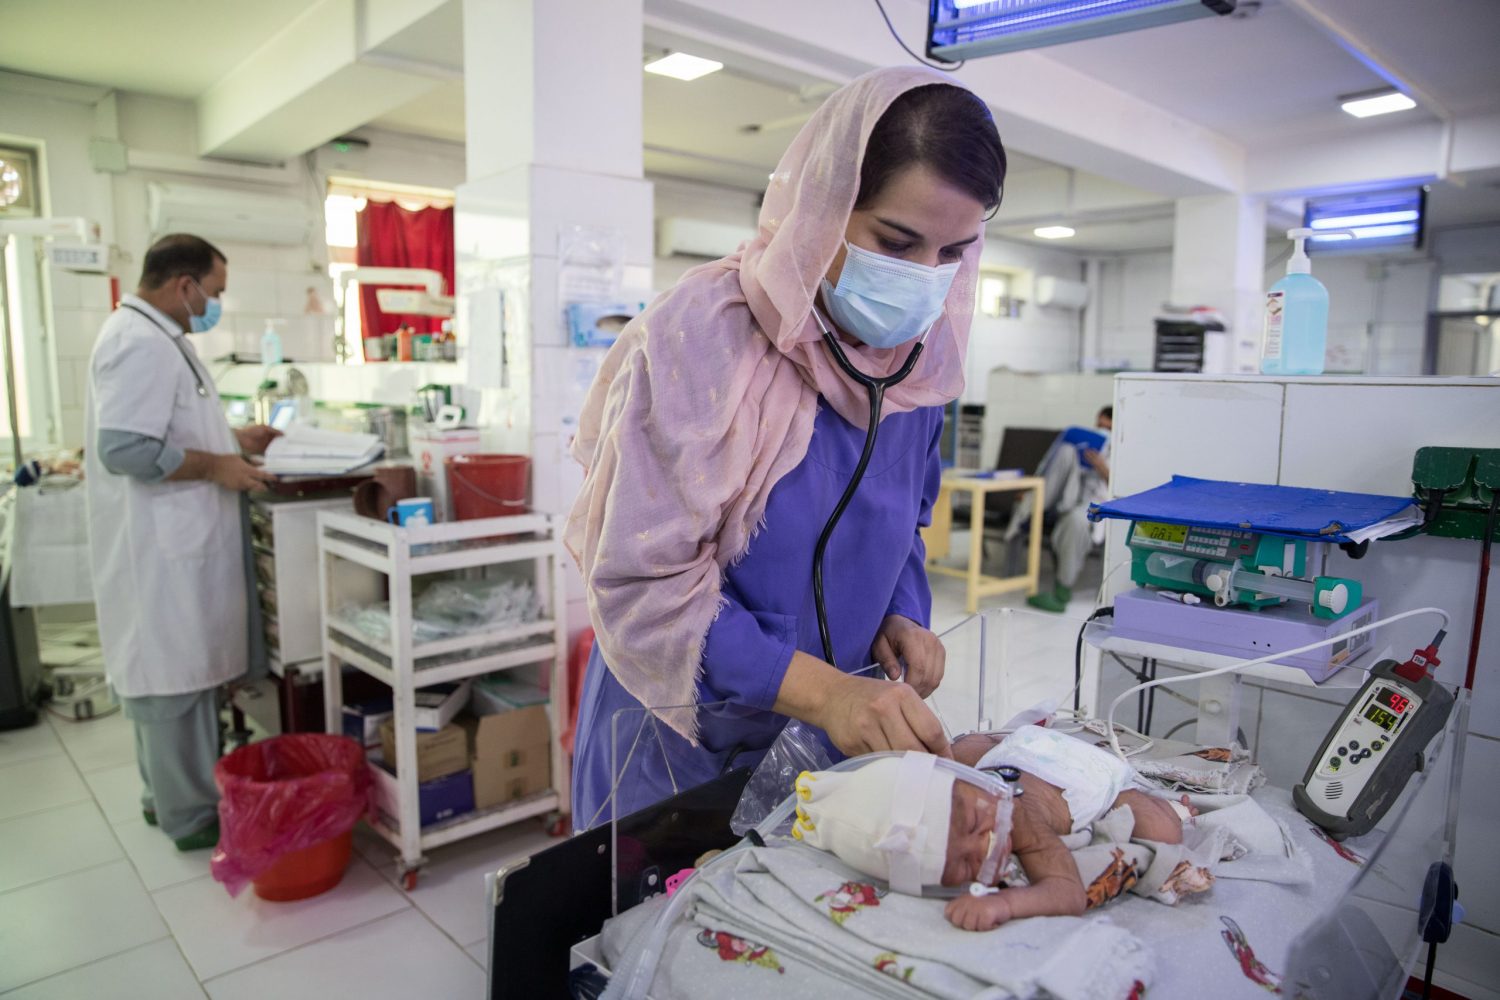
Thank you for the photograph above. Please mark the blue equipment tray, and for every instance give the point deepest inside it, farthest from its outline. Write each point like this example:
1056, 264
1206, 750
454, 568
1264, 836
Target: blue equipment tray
1288, 511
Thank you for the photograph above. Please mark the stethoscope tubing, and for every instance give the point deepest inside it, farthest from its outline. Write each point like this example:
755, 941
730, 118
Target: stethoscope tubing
875, 387
174, 338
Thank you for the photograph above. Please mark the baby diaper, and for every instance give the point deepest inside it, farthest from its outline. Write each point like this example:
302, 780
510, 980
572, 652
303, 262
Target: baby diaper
1090, 778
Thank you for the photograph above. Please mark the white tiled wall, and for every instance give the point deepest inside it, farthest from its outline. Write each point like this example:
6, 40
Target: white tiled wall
80, 307
265, 282
272, 282
1352, 434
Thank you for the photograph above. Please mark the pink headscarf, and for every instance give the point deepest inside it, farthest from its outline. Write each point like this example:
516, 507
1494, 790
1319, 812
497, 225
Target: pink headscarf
708, 398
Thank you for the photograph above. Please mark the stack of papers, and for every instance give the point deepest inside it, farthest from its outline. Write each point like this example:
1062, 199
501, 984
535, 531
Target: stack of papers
1393, 525
307, 451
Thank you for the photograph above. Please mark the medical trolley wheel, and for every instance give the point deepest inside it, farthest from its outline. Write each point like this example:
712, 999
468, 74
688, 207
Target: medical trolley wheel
560, 825
409, 878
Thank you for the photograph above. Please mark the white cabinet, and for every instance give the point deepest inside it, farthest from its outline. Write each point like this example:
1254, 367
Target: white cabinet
1356, 434
284, 537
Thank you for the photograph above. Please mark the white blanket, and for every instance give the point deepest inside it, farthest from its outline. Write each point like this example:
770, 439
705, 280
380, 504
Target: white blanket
780, 921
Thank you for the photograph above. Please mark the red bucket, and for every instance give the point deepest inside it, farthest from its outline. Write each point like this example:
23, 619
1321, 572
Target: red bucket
308, 872
488, 485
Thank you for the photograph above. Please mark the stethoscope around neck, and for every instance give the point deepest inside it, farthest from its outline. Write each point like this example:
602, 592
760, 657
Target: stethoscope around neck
176, 340
875, 388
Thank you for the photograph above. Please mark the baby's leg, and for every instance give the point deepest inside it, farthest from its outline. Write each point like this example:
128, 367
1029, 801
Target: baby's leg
1155, 819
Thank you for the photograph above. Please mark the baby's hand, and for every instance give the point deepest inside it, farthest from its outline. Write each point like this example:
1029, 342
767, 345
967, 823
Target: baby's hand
978, 913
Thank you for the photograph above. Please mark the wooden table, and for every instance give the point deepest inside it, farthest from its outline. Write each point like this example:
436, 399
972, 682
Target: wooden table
937, 537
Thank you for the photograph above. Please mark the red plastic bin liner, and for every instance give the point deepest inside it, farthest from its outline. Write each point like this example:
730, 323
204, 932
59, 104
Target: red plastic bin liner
282, 795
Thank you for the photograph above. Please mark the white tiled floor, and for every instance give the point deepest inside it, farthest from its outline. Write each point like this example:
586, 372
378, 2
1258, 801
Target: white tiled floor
93, 902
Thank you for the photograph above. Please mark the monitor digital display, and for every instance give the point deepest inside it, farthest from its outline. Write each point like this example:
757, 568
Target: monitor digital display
1385, 720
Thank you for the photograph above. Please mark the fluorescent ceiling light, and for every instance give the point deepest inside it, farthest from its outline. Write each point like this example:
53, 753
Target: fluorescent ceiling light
1373, 232
1380, 103
681, 66
1053, 232
967, 29
1370, 219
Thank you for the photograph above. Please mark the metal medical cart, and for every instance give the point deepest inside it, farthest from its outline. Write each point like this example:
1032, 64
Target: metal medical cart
354, 554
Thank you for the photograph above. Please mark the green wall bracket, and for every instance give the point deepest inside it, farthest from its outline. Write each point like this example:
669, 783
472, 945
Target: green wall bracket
1455, 486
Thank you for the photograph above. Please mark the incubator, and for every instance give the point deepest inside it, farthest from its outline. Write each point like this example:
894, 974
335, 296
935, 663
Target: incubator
1338, 919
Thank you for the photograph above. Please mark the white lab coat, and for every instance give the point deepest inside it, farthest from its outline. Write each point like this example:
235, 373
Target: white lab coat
169, 579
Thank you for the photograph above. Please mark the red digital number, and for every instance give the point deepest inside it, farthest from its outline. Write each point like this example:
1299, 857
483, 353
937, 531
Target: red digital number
1398, 703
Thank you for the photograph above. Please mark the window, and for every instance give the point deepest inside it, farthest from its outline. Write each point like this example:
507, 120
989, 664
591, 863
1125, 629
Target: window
999, 293
22, 302
17, 181
346, 198
340, 217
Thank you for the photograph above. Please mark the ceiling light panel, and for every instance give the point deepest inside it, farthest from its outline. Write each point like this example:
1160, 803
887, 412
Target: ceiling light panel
1054, 232
1382, 103
681, 66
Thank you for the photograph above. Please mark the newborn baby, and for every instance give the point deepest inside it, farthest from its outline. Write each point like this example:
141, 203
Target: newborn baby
1066, 784
881, 821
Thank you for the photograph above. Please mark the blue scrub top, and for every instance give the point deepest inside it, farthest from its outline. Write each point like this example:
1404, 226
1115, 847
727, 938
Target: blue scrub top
874, 567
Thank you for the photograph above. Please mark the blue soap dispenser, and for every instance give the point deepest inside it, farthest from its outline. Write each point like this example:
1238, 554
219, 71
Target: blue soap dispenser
1295, 334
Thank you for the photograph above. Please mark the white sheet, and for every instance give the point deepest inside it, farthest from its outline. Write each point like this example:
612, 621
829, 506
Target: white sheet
1236, 937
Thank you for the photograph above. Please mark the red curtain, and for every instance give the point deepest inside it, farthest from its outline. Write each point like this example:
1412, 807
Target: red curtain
391, 236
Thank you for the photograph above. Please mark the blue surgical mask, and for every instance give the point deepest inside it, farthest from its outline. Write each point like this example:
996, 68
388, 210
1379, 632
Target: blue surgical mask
212, 310
886, 302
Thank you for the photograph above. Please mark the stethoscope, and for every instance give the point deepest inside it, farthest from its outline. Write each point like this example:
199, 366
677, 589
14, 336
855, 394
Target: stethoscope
176, 339
875, 388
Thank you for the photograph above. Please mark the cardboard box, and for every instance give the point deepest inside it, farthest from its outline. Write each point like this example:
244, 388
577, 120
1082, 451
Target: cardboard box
437, 800
362, 721
438, 754
431, 448
512, 755
437, 705
498, 693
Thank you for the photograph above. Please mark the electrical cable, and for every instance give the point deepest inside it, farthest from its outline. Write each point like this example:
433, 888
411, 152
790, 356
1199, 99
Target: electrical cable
1140, 696
1078, 652
1114, 741
1151, 700
1482, 592
947, 67
1173, 731
1140, 677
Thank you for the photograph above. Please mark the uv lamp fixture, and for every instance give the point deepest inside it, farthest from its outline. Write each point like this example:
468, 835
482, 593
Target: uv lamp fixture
966, 29
1378, 220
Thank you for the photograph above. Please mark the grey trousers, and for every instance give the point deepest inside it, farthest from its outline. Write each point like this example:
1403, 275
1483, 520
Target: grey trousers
1072, 536
176, 747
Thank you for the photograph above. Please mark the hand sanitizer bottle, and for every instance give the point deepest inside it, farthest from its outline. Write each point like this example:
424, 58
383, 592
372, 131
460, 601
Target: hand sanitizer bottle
1296, 318
270, 348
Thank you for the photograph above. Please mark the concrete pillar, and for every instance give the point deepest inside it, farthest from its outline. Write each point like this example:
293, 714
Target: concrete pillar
1218, 260
554, 210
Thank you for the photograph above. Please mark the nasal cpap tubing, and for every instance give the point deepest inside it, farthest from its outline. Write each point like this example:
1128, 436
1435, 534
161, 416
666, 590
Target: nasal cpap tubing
1114, 739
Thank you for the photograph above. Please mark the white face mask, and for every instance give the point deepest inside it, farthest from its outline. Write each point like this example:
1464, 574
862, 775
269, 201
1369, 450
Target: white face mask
886, 302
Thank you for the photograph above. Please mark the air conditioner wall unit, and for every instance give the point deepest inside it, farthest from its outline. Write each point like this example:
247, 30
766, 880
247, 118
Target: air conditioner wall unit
696, 238
1060, 293
230, 216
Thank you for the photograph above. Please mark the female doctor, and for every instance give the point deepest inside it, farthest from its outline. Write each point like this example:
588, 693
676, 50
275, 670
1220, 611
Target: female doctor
721, 433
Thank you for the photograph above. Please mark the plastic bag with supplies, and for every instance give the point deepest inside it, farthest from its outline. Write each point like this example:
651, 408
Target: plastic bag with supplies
798, 748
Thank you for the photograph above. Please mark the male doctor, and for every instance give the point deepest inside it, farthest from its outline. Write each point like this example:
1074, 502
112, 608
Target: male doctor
165, 478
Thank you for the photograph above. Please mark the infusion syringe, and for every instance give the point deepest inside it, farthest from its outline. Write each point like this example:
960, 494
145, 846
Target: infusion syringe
1232, 583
